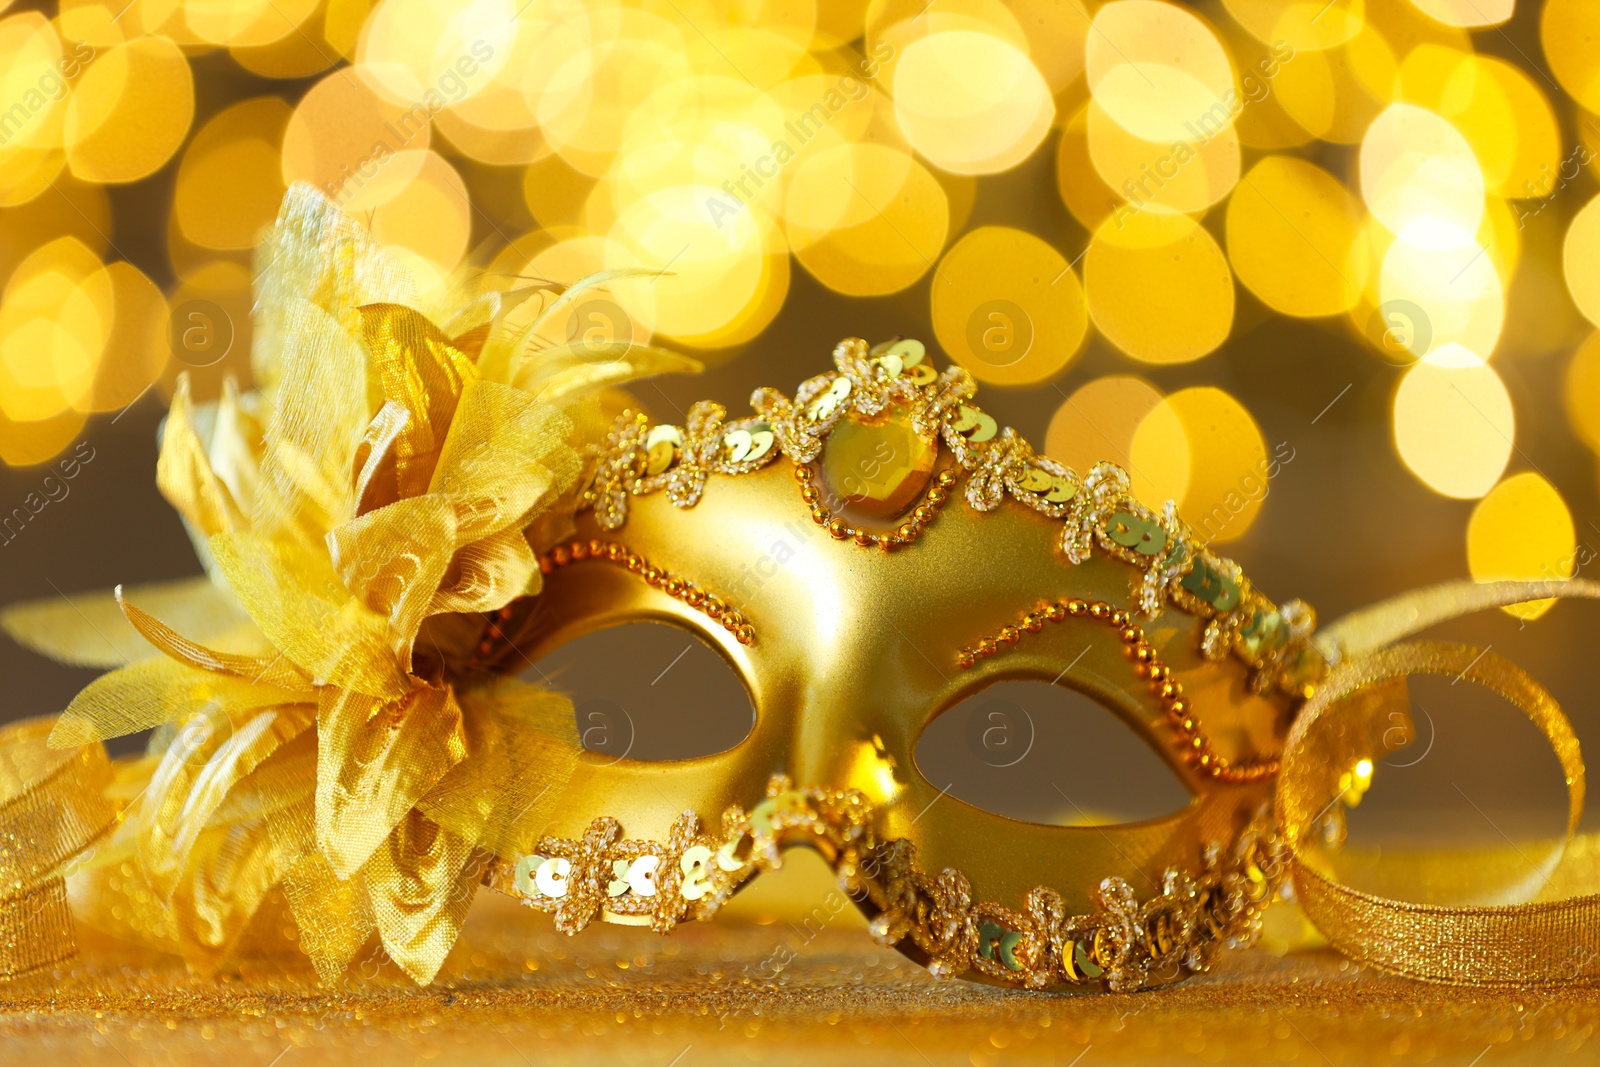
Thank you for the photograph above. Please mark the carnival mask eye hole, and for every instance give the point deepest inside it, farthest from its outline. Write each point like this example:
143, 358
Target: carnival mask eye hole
1043, 753
648, 691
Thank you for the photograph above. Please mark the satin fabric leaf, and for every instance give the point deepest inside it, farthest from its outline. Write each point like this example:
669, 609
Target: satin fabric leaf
468, 326
228, 876
498, 353
522, 746
184, 474
234, 449
567, 371
286, 777
487, 574
375, 460
568, 296
90, 630
423, 372
319, 415
209, 753
421, 882
394, 559
300, 602
503, 453
374, 760
333, 915
152, 692
274, 670
315, 252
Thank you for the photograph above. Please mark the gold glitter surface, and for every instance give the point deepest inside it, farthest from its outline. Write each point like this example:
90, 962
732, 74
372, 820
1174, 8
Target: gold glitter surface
809, 987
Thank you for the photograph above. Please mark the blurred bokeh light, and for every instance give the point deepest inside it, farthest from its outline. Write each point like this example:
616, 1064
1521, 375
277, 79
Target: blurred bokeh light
1403, 174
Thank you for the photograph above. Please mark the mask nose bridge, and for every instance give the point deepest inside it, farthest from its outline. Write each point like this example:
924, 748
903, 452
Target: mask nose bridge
855, 723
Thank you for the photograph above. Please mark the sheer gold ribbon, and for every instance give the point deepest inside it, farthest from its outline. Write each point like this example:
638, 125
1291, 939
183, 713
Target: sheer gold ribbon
52, 807
1540, 943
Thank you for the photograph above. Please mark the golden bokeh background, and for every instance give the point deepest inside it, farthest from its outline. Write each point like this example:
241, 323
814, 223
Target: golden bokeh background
1325, 272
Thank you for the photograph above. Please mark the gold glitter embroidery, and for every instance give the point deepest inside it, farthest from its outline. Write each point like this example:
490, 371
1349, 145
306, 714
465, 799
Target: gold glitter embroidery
1128, 945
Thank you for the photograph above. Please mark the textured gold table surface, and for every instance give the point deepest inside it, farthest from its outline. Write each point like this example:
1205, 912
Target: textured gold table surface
750, 988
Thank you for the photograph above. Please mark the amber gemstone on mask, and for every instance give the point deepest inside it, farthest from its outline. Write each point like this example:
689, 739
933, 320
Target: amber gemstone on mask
874, 470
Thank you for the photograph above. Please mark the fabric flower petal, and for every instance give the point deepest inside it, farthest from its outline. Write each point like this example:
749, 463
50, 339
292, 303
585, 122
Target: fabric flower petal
332, 915
207, 754
184, 474
422, 371
487, 574
566, 372
234, 450
317, 421
152, 692
274, 670
297, 598
374, 761
421, 882
90, 630
503, 453
228, 876
316, 252
394, 559
522, 746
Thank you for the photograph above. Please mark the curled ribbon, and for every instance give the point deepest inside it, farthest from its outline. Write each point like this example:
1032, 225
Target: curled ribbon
52, 806
1540, 943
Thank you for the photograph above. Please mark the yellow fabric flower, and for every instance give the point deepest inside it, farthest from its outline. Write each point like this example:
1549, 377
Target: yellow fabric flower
358, 516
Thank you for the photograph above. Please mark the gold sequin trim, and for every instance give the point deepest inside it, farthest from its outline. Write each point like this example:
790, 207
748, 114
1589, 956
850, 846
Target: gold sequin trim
1129, 944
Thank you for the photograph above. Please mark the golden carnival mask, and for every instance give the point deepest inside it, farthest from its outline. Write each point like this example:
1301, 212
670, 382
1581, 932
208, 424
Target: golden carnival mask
954, 557
418, 502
